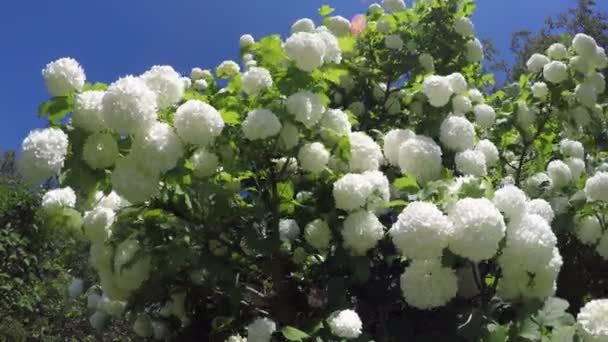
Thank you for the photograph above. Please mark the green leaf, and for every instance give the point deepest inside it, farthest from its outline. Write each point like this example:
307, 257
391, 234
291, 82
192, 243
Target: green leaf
231, 117
343, 149
496, 333
269, 51
396, 204
56, 108
325, 10
96, 86
406, 183
347, 44
285, 191
563, 334
530, 330
334, 74
553, 313
293, 334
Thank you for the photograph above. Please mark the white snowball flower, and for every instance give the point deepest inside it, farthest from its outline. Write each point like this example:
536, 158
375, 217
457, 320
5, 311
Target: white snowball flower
584, 45
588, 230
205, 163
393, 6
426, 284
303, 25
59, 198
260, 124
246, 41
571, 148
130, 278
362, 231
345, 324
289, 136
580, 64
333, 53
576, 166
201, 85
536, 62
530, 243
380, 193
199, 74
420, 157
540, 90
461, 104
392, 141
541, 208
393, 42
338, 25
337, 121
485, 116
596, 187
129, 105
457, 133
600, 59
555, 72
43, 152
602, 247
63, 76
255, 80
437, 89
511, 201
366, 154
88, 111
375, 8
158, 149
464, 26
560, 173
97, 224
227, 70
592, 321
489, 151
476, 96
132, 182
421, 231
289, 230
598, 80
313, 157
306, 107
538, 183
236, 338
306, 49
478, 227
166, 83
458, 83
356, 191
198, 123
111, 201
427, 62
586, 94
317, 234
261, 330
474, 51
471, 162
557, 51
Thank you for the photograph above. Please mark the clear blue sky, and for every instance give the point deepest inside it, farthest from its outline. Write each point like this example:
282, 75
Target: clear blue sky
111, 38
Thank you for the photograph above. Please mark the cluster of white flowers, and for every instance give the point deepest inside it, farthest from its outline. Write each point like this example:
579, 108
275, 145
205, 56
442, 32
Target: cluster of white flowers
255, 80
129, 105
420, 157
313, 157
310, 49
357, 191
456, 133
198, 123
592, 320
393, 6
596, 187
227, 70
88, 111
426, 284
158, 149
166, 83
366, 154
261, 330
43, 153
261, 124
58, 198
318, 234
63, 76
345, 324
306, 107
338, 25
361, 232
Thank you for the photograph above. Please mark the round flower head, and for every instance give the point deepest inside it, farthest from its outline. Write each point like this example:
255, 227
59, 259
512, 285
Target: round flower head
540, 90
362, 231
476, 96
227, 70
313, 157
592, 321
584, 45
461, 104
426, 284
289, 230
158, 149
557, 51
538, 183
489, 151
166, 83
580, 64
602, 246
306, 49
530, 243
303, 25
392, 140
198, 123
261, 124
393, 6
536, 62
596, 187
420, 157
571, 148
132, 182
345, 324
457, 133
464, 26
201, 85
88, 111
100, 150
586, 94
205, 163
458, 83
576, 166
337, 121
366, 154
43, 152
427, 62
474, 51
333, 54
421, 231
317, 234
560, 173
63, 76
130, 277
261, 330
338, 25
255, 80
200, 74
541, 208
306, 107
59, 198
111, 201
600, 60
246, 41
97, 224
357, 191
588, 230
380, 193
555, 72
437, 89
471, 162
478, 228
485, 116
393, 42
129, 105
598, 80
511, 201
289, 136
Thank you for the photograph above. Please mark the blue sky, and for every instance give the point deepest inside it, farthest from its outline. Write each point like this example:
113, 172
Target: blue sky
112, 38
